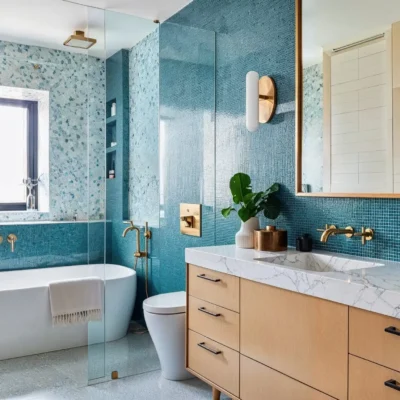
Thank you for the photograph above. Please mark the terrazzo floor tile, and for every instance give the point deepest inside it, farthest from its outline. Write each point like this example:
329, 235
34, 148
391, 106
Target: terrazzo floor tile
147, 386
68, 369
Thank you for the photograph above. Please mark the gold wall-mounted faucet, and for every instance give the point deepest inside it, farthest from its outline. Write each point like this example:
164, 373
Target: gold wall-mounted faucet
12, 239
332, 230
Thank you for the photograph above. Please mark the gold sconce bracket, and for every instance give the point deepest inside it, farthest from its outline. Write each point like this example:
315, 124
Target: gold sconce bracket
190, 219
267, 99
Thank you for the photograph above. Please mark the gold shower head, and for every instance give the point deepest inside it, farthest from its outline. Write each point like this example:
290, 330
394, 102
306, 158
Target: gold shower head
80, 41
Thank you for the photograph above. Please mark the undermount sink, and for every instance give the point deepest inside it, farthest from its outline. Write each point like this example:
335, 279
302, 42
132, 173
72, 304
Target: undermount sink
318, 262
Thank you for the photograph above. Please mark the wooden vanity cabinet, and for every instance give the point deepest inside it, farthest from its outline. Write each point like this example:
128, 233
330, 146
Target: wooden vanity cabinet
260, 382
300, 336
257, 342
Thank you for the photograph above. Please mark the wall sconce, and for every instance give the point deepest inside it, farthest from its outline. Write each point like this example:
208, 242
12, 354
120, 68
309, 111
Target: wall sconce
260, 100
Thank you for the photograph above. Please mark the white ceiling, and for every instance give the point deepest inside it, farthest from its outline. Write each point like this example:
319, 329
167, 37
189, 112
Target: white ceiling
333, 23
149, 9
48, 23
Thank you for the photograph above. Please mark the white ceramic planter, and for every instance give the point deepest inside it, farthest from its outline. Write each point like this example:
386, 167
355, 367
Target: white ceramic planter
245, 237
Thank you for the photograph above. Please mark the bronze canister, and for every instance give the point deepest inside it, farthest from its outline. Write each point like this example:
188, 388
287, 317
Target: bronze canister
270, 239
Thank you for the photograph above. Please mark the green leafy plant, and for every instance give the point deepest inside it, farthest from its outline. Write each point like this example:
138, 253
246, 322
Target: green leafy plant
251, 204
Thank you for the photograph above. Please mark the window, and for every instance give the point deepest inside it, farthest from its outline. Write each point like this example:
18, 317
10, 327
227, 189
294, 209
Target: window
18, 151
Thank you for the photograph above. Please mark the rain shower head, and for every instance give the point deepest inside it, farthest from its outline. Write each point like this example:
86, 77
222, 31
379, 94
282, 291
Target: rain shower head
80, 41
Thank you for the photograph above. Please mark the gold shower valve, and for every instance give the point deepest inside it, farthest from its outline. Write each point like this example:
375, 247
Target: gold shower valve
190, 219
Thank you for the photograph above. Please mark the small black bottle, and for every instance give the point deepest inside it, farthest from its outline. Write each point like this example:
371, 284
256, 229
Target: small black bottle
304, 243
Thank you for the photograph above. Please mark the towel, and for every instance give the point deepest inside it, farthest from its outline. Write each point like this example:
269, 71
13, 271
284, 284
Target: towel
76, 301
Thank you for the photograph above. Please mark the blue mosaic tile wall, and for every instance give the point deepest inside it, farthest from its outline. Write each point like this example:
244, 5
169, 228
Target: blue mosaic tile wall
144, 177
260, 35
71, 80
77, 181
187, 142
198, 154
52, 245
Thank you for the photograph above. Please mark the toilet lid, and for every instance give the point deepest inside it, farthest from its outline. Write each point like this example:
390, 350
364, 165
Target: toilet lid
169, 303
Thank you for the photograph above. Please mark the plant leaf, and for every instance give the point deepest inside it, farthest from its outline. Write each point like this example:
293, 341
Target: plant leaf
248, 198
240, 186
273, 189
227, 211
272, 207
244, 214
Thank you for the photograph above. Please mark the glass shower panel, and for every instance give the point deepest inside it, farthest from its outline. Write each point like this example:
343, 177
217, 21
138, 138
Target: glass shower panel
96, 186
128, 67
187, 145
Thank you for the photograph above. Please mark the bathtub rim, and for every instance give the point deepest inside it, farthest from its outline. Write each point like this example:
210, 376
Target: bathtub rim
129, 273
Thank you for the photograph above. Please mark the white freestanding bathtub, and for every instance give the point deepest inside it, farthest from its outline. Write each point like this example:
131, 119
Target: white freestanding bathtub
25, 319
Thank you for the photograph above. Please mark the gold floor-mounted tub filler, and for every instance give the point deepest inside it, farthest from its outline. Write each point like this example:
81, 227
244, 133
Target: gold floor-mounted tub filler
270, 239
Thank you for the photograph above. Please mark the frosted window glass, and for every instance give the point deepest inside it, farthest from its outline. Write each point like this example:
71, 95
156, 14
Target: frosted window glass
13, 154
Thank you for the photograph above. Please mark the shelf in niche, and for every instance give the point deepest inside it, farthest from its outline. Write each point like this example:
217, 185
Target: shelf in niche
111, 149
111, 120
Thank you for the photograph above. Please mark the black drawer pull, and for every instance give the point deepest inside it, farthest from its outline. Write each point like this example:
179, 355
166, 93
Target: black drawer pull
393, 330
203, 346
205, 311
203, 276
392, 384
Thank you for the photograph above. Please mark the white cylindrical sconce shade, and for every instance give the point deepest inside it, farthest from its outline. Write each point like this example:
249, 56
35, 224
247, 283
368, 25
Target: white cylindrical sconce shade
252, 100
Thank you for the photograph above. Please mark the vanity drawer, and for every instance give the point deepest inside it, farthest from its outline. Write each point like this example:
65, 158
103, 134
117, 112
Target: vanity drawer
215, 322
370, 340
221, 369
367, 381
256, 380
215, 287
300, 336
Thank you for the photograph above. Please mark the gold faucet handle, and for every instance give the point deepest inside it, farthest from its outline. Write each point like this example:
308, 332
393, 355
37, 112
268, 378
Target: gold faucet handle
326, 228
188, 220
12, 239
128, 223
1, 239
365, 234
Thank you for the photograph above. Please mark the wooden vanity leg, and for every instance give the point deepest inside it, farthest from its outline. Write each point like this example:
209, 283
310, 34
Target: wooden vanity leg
216, 394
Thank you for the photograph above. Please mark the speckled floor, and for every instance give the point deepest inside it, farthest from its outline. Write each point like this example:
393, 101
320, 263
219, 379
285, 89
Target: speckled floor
147, 386
63, 375
132, 355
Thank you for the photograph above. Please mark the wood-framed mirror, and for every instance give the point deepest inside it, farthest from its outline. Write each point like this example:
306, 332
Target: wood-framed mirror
348, 98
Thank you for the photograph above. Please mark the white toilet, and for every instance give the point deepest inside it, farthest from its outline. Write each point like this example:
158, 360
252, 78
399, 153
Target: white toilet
165, 317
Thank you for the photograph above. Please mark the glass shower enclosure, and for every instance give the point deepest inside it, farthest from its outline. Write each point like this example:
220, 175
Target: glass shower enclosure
159, 84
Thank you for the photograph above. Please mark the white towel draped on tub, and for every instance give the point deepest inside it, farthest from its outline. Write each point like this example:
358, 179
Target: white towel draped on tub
76, 301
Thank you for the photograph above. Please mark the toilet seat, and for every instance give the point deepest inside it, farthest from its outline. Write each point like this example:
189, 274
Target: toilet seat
167, 304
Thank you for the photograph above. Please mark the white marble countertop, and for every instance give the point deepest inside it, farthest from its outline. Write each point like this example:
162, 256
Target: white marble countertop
374, 289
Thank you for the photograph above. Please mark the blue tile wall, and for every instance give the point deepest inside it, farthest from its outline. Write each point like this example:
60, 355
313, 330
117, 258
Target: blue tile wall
199, 151
71, 80
52, 245
187, 141
260, 35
